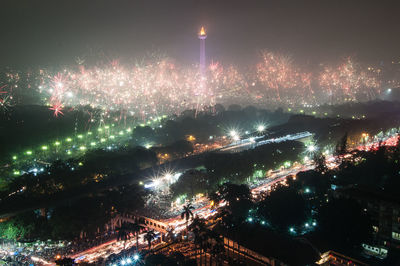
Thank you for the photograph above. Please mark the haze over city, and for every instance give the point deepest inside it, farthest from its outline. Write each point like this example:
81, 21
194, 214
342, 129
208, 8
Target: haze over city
199, 132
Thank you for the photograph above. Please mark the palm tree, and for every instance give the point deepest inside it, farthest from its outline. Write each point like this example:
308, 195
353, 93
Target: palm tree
136, 228
186, 214
123, 233
215, 198
150, 236
199, 229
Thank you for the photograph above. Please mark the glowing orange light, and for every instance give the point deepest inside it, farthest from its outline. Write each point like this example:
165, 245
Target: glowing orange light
191, 138
202, 31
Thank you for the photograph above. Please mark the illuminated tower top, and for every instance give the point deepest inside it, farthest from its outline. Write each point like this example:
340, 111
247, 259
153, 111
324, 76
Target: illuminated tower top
202, 34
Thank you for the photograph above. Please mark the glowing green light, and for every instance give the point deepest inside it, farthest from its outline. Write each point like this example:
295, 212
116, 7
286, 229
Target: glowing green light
302, 111
325, 113
69, 152
16, 172
112, 137
258, 174
107, 127
289, 109
57, 143
121, 133
148, 122
142, 125
129, 130
80, 136
44, 148
14, 157
29, 152
313, 112
80, 163
102, 140
68, 139
93, 143
99, 129
89, 133
82, 148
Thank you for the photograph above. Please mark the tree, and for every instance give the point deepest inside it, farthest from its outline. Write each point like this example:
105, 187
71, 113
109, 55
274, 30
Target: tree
187, 213
65, 262
284, 208
191, 183
239, 202
123, 233
341, 146
170, 236
136, 228
143, 135
233, 193
320, 163
150, 236
199, 229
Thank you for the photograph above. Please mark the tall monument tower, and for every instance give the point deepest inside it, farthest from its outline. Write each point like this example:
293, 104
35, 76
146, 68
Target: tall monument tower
202, 36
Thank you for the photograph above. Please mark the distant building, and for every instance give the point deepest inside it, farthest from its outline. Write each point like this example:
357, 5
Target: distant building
384, 211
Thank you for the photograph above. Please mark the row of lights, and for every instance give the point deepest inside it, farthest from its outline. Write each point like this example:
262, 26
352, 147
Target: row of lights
235, 135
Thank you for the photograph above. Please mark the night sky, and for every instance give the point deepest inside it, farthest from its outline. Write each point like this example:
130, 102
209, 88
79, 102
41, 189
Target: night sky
36, 32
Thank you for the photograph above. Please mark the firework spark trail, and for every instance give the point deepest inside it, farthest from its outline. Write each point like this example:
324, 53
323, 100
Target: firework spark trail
145, 90
159, 86
347, 80
277, 73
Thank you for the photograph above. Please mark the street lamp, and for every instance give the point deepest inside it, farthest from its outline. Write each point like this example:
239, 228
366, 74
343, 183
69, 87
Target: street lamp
233, 133
311, 148
260, 128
